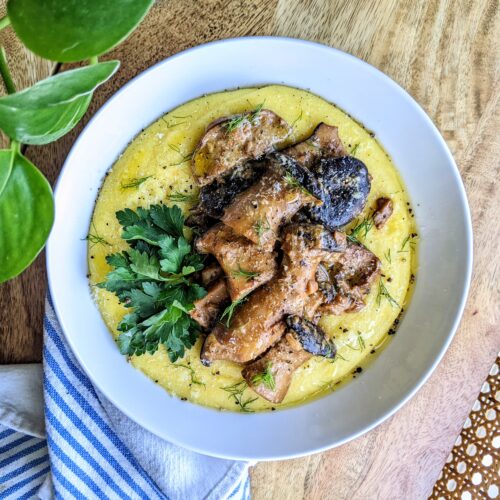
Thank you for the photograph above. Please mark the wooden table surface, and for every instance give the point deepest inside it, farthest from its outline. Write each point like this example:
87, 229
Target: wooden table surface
444, 54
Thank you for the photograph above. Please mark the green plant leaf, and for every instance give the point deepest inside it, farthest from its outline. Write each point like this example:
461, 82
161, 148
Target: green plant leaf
6, 161
26, 215
72, 30
52, 107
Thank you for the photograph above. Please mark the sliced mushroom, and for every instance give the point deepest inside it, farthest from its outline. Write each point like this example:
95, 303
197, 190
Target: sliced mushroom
304, 247
383, 211
260, 211
231, 141
302, 340
311, 306
323, 143
352, 275
279, 363
210, 273
213, 349
246, 265
207, 309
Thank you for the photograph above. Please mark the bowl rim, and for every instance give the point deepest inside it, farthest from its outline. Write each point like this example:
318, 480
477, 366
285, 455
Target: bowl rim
468, 243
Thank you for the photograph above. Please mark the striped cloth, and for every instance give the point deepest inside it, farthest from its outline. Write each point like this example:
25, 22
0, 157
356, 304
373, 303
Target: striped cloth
94, 451
24, 464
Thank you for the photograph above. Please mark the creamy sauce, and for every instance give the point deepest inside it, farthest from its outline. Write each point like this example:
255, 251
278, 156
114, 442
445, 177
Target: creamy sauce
157, 164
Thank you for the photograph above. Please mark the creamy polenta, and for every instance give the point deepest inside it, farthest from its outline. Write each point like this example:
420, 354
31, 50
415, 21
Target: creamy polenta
157, 164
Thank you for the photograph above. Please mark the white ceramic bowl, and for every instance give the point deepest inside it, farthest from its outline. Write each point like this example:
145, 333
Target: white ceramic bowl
442, 214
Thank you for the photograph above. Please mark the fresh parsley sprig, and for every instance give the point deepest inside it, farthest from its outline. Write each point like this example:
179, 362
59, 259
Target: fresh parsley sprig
154, 278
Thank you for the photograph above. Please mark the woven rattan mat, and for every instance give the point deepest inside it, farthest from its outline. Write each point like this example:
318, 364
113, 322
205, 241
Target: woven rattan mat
472, 469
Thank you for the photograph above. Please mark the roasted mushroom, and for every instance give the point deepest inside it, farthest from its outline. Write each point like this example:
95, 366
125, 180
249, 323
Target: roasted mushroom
246, 265
382, 212
279, 364
217, 195
210, 273
208, 308
351, 276
270, 376
250, 332
344, 185
232, 141
323, 143
325, 284
312, 337
261, 210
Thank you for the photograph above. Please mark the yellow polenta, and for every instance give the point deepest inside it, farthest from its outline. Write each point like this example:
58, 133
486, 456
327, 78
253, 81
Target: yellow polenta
157, 164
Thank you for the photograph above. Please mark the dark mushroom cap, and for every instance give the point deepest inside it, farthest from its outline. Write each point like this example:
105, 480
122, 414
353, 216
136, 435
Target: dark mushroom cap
312, 337
216, 196
343, 185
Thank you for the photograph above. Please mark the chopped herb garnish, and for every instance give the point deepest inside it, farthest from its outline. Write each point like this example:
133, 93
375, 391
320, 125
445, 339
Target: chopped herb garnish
266, 378
234, 123
95, 238
297, 119
175, 148
388, 257
179, 197
248, 275
153, 278
384, 293
295, 184
354, 149
236, 392
134, 183
194, 380
361, 230
261, 227
255, 112
338, 356
361, 342
406, 241
238, 120
229, 310
172, 125
184, 159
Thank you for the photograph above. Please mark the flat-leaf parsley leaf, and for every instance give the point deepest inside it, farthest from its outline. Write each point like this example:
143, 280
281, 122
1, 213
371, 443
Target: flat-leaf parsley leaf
154, 280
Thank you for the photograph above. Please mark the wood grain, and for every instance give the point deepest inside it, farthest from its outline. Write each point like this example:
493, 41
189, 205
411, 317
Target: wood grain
444, 54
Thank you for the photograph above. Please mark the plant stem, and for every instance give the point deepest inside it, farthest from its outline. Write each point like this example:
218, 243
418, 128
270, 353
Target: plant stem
8, 82
5, 72
93, 60
4, 22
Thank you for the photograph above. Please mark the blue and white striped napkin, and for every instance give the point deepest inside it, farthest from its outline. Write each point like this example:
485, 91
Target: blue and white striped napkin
91, 449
